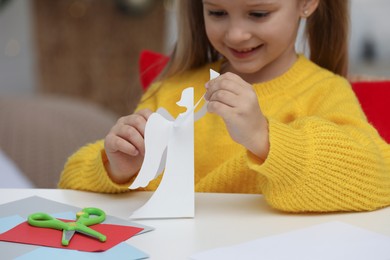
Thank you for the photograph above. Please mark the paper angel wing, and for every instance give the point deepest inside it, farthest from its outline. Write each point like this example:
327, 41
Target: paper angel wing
162, 111
158, 130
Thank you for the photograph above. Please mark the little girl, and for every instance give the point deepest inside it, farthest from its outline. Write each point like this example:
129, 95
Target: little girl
279, 124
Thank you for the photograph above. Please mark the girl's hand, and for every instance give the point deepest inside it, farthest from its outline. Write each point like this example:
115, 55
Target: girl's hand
124, 146
236, 102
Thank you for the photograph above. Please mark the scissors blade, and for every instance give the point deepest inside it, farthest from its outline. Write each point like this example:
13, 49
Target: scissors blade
90, 234
67, 236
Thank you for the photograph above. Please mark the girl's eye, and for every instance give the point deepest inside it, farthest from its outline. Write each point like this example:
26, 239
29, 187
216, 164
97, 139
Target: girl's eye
259, 14
217, 13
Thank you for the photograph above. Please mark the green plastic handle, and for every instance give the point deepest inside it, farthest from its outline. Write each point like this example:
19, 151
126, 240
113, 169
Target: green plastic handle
46, 221
90, 216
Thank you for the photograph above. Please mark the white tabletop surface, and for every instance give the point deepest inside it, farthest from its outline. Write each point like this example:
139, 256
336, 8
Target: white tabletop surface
220, 220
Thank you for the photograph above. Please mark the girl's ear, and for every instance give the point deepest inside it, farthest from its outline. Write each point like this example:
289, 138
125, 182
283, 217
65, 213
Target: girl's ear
308, 7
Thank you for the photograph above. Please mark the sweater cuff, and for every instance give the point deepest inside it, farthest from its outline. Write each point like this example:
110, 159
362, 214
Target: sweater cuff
287, 154
103, 181
85, 170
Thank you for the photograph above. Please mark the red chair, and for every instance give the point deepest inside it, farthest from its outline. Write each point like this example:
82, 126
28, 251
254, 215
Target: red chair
374, 97
150, 66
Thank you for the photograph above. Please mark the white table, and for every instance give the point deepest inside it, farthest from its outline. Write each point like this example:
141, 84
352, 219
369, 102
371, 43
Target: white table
221, 219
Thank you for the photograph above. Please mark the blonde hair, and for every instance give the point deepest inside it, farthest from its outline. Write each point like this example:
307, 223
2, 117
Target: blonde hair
327, 31
192, 48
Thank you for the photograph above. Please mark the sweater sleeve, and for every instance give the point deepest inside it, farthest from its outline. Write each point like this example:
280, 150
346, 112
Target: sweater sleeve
313, 166
85, 170
327, 159
316, 165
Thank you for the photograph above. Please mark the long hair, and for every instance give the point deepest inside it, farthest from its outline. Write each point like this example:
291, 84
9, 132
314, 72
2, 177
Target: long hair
193, 48
327, 30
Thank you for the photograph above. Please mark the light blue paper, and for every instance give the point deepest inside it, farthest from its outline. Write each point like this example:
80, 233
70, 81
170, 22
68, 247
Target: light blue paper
121, 251
10, 222
65, 215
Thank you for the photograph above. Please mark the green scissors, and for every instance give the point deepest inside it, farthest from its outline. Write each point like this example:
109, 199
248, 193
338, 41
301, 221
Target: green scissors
84, 220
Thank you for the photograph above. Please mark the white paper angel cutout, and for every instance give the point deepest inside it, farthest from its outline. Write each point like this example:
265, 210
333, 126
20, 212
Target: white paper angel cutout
169, 144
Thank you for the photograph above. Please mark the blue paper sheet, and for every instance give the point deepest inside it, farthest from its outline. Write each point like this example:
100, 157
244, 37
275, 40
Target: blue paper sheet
121, 251
10, 222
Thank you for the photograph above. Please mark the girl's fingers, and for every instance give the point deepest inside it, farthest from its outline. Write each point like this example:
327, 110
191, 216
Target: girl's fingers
220, 109
221, 84
229, 82
127, 135
115, 144
225, 97
136, 121
145, 113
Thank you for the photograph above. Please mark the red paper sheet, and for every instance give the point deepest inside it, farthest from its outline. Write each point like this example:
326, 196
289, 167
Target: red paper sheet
27, 234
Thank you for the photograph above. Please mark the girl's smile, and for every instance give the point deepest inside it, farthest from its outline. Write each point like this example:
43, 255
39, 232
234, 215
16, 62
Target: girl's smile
245, 53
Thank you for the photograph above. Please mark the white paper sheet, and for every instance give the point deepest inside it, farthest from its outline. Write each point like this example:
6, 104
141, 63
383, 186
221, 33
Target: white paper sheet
169, 145
330, 241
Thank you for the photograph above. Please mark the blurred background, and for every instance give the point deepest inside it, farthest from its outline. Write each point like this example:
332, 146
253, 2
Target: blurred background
370, 38
82, 48
89, 48
69, 69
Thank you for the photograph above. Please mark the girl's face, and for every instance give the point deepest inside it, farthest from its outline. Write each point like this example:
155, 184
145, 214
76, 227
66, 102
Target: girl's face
257, 37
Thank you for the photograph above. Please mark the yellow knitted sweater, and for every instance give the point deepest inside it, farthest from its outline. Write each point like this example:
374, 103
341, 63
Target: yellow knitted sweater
323, 156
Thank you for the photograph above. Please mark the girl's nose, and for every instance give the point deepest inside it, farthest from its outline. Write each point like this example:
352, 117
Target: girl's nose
237, 33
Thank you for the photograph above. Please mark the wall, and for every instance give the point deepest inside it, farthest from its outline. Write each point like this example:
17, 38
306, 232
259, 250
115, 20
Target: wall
89, 49
370, 23
16, 49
